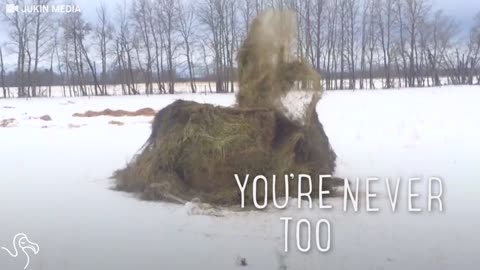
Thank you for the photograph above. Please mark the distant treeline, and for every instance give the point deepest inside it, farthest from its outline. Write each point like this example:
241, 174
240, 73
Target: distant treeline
352, 43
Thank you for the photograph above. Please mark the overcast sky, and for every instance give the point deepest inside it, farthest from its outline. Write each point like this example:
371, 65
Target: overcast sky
462, 10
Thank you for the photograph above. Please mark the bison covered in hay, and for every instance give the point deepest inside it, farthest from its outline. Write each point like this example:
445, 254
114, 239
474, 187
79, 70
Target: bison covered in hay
195, 149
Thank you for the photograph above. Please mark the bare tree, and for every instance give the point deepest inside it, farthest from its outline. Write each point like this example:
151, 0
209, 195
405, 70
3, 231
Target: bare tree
2, 75
218, 17
330, 65
474, 48
352, 14
59, 65
415, 12
169, 16
141, 13
72, 27
187, 29
124, 50
372, 38
156, 28
104, 33
386, 18
318, 40
441, 31
364, 39
19, 23
207, 74
84, 30
247, 13
42, 24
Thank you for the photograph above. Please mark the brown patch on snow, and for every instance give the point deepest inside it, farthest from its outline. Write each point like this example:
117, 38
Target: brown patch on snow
74, 126
10, 122
45, 118
68, 103
117, 123
117, 113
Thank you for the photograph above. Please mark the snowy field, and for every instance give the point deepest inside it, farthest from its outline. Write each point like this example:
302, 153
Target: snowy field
54, 187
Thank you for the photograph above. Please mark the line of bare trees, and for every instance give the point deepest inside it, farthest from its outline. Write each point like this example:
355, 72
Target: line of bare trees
147, 46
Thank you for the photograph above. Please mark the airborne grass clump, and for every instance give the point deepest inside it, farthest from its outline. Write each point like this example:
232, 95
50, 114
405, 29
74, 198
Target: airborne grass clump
195, 149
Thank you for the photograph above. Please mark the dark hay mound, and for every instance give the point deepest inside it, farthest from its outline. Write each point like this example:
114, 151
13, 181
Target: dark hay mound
195, 150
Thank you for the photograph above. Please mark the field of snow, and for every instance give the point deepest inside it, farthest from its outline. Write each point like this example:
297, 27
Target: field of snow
55, 187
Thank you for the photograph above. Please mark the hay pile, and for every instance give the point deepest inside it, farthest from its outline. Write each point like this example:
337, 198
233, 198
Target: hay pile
195, 149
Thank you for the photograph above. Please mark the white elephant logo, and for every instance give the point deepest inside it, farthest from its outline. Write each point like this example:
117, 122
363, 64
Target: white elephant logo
21, 243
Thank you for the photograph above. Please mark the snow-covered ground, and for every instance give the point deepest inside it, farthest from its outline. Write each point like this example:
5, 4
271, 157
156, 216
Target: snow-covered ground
54, 187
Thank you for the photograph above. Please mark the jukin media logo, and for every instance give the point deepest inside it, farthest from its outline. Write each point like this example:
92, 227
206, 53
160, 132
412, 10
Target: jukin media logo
13, 8
22, 244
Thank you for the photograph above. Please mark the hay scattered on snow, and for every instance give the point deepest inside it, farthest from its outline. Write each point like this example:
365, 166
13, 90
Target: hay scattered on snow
117, 113
10, 122
116, 123
45, 118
